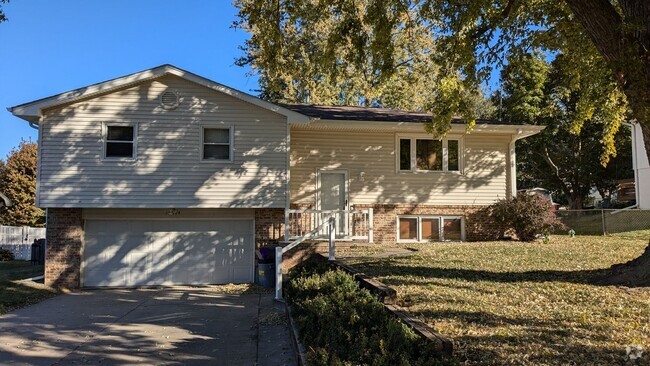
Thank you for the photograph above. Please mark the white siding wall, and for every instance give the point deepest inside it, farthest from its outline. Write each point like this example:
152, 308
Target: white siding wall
642, 168
483, 181
168, 171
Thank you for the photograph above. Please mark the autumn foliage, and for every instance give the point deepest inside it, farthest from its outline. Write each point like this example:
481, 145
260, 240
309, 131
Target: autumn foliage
18, 183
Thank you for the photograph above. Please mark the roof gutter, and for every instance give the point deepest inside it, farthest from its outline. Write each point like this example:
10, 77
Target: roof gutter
31, 120
518, 131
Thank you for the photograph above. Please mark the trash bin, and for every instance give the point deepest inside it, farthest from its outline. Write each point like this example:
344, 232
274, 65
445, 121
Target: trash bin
38, 252
266, 267
266, 274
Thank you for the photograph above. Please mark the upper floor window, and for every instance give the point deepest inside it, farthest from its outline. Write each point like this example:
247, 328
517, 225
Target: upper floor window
217, 144
426, 154
120, 141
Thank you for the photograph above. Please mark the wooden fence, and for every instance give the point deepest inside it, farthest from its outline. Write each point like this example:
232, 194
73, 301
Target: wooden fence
19, 239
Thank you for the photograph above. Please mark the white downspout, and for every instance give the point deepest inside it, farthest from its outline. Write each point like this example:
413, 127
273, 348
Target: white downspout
635, 162
287, 204
512, 165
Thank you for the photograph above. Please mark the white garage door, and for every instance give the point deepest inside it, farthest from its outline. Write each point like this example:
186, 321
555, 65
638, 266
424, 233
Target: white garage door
164, 252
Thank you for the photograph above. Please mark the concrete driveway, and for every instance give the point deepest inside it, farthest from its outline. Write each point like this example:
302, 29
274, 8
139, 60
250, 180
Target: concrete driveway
174, 326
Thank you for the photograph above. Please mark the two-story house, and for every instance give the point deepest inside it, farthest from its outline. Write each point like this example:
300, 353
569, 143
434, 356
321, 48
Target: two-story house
164, 177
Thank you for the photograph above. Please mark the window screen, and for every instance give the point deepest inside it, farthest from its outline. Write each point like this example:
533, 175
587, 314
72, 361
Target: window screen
430, 229
119, 141
216, 144
405, 154
428, 154
453, 163
452, 228
408, 228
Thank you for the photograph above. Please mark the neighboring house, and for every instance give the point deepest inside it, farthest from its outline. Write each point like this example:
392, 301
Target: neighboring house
542, 192
641, 168
165, 177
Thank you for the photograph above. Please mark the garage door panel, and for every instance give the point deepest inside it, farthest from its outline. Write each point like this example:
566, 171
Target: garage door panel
140, 252
115, 277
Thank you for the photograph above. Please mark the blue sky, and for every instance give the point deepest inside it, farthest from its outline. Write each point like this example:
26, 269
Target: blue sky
49, 47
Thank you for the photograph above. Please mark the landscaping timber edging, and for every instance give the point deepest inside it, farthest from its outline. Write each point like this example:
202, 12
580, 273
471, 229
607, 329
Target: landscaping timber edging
388, 296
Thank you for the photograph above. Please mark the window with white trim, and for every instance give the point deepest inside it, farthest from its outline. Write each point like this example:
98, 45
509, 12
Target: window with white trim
120, 140
216, 144
420, 154
426, 228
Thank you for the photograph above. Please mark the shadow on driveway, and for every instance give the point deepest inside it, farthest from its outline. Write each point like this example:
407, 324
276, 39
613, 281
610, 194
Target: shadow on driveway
151, 326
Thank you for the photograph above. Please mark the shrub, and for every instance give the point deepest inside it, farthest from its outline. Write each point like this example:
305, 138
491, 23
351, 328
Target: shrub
6, 255
343, 324
527, 215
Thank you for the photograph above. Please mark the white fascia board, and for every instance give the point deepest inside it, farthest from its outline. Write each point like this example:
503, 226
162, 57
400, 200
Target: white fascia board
520, 131
32, 111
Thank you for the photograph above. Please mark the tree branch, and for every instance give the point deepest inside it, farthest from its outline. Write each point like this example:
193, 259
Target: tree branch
603, 24
509, 8
556, 169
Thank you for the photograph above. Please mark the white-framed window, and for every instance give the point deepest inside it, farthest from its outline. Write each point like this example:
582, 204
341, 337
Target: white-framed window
424, 154
120, 140
425, 228
216, 143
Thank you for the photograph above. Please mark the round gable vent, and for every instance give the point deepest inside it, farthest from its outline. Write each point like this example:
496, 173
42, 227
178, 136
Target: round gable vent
169, 99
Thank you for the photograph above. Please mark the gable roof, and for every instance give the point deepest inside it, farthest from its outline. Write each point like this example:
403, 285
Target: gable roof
32, 111
347, 113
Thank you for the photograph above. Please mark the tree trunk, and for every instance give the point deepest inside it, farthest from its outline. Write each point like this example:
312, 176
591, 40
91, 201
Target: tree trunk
624, 42
575, 201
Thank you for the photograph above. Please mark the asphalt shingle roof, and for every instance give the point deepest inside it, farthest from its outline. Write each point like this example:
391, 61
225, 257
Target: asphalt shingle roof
346, 113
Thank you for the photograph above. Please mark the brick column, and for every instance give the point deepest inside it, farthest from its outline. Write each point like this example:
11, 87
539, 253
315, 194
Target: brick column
269, 225
64, 235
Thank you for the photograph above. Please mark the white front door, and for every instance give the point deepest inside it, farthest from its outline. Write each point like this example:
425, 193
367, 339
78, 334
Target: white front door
333, 195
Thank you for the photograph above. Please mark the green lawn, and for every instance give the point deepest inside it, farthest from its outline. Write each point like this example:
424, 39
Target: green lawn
16, 294
509, 303
19, 270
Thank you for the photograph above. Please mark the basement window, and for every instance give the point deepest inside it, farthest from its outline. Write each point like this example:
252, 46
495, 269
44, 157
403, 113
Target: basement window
430, 228
120, 141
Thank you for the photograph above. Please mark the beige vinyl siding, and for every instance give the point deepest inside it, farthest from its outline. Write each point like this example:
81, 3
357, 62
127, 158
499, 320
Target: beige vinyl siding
168, 171
482, 182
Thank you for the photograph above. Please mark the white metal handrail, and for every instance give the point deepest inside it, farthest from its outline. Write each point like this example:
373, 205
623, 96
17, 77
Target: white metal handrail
279, 251
352, 224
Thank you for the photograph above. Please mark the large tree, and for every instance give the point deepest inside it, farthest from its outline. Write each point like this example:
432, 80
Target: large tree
598, 37
3, 17
564, 156
322, 53
18, 183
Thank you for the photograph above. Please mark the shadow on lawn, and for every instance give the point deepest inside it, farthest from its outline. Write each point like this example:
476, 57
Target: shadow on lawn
488, 338
592, 277
530, 343
17, 294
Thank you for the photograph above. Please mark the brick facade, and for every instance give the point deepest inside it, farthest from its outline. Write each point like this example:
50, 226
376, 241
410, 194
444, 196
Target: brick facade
64, 236
269, 222
269, 225
478, 225
64, 233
